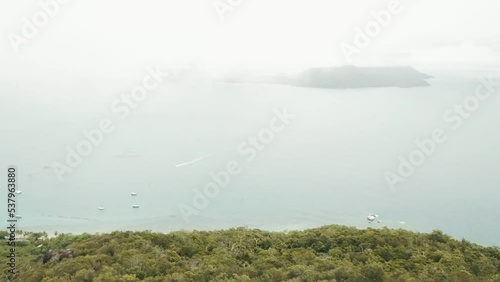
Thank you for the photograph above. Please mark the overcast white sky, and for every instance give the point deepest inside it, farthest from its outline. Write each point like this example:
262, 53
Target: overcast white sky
120, 36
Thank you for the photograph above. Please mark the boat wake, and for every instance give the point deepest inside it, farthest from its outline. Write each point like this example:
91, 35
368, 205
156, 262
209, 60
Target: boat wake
193, 161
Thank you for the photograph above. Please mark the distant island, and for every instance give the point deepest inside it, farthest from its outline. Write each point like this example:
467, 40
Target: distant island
342, 77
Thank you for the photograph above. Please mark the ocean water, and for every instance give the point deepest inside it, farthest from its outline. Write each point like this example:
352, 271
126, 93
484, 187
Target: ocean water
326, 167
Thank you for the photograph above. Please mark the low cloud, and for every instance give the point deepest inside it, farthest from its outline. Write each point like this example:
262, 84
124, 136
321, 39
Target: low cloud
465, 54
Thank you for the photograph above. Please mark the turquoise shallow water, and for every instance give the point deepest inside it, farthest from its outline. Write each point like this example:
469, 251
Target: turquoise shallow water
326, 167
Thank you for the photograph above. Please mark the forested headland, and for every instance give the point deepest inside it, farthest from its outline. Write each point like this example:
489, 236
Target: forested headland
329, 253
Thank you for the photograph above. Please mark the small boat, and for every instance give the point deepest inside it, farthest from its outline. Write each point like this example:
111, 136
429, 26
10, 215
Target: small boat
133, 194
19, 216
371, 217
101, 208
135, 206
19, 192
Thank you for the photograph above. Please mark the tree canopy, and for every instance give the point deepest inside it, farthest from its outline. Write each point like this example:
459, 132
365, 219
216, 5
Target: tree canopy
329, 253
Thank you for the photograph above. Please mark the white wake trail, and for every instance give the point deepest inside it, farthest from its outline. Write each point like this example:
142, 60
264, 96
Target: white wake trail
193, 161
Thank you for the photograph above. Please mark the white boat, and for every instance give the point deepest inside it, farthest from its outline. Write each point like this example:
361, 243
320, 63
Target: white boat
371, 217
19, 192
135, 206
101, 208
19, 216
133, 194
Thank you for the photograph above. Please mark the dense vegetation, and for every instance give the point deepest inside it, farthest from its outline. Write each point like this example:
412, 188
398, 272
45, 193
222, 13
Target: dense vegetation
330, 253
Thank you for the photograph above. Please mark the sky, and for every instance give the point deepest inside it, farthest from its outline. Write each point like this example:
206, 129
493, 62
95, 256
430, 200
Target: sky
85, 40
120, 37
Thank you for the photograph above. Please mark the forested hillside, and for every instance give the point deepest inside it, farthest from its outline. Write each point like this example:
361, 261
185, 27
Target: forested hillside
330, 253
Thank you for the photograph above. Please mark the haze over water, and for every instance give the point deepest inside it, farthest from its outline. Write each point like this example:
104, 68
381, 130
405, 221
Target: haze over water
326, 167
